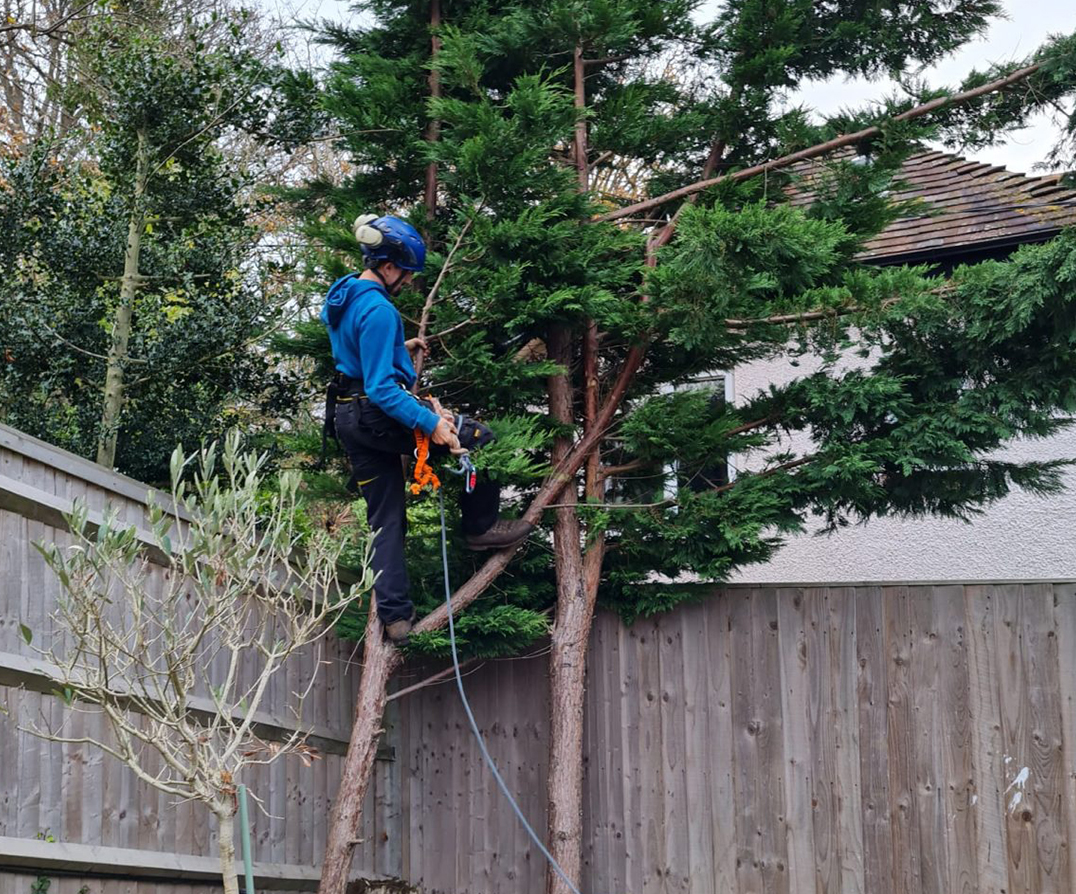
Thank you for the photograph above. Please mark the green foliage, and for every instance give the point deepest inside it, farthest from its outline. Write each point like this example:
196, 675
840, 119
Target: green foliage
205, 297
494, 632
910, 384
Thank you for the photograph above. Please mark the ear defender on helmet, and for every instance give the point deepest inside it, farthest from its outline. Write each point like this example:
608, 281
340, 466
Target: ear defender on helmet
390, 239
366, 234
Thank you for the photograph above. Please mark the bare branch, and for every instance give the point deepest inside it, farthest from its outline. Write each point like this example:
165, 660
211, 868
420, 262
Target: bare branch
431, 298
822, 148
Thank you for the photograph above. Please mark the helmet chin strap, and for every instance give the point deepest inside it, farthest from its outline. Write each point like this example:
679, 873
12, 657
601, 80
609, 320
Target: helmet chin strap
391, 288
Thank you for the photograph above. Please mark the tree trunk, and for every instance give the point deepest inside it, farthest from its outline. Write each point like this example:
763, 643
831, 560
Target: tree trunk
121, 323
567, 683
433, 129
567, 661
580, 140
226, 848
380, 660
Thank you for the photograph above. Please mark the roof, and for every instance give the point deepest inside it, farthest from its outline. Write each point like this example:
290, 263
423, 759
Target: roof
971, 208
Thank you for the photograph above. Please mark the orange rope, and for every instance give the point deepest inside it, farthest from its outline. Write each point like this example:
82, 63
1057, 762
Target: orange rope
424, 473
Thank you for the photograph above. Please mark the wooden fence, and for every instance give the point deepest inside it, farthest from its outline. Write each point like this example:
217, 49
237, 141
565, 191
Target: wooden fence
102, 818
857, 738
862, 738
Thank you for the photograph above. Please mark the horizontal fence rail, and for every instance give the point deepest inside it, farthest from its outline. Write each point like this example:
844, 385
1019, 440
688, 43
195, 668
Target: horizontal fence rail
103, 821
859, 737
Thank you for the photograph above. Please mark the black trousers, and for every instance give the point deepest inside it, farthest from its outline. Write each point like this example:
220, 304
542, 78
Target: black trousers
378, 473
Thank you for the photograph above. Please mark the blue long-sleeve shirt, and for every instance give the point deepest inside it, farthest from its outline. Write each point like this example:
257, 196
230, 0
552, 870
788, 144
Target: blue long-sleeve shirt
367, 338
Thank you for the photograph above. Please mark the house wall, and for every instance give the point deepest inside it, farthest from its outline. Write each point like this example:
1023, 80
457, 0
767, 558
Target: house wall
1022, 537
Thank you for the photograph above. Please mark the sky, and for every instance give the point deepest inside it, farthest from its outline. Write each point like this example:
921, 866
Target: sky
1028, 24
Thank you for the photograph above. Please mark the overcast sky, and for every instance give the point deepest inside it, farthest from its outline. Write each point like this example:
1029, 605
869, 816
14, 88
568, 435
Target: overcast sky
1028, 24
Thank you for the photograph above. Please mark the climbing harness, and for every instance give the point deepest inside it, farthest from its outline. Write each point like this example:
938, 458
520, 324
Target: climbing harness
486, 756
472, 435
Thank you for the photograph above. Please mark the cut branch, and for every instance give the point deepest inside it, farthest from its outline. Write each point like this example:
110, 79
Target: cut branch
435, 679
805, 317
766, 473
607, 60
820, 149
825, 313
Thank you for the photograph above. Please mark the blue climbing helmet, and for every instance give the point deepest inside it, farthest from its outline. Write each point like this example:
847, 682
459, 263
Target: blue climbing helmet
390, 239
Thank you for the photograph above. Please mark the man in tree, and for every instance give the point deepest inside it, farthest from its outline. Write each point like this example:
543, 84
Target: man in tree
377, 414
529, 108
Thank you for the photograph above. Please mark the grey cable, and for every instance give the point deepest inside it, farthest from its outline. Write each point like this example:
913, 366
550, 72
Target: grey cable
470, 714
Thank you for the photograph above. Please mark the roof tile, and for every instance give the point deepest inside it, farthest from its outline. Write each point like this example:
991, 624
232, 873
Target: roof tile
969, 206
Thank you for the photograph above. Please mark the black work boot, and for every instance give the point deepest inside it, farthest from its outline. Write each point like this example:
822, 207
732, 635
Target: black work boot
503, 533
399, 631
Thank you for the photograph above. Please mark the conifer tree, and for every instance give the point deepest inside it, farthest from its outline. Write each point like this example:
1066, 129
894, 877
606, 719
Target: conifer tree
493, 126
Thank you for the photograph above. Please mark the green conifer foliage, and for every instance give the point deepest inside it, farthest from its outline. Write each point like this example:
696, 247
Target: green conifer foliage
945, 372
532, 259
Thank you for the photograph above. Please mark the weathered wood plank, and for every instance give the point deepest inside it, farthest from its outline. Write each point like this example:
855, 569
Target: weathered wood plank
822, 731
697, 822
954, 739
652, 803
843, 668
762, 856
1065, 624
872, 694
796, 672
614, 710
1018, 806
327, 674
1045, 747
746, 764
900, 729
721, 732
987, 745
927, 766
669, 646
388, 833
34, 763
770, 739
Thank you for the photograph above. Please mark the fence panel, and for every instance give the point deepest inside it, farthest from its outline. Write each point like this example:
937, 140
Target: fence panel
856, 738
876, 737
85, 799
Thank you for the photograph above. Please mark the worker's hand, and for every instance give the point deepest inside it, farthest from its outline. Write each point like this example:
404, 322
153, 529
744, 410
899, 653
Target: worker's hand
445, 434
447, 415
415, 344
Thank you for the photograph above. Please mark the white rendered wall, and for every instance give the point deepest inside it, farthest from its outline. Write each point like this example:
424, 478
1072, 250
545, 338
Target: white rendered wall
1020, 538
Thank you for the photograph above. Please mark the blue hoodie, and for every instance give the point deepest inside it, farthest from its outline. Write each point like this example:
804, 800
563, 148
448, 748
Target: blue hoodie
367, 337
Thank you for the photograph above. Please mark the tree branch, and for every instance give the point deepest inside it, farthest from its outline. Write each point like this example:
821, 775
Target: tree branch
766, 473
50, 30
820, 149
424, 320
608, 60
436, 678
